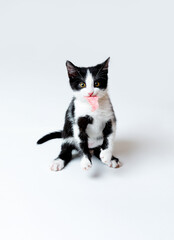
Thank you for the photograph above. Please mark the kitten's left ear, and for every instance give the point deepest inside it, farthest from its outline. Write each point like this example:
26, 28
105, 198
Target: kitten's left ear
105, 64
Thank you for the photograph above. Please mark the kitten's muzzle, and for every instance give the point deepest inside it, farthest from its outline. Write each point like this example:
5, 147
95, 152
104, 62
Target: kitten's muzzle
90, 94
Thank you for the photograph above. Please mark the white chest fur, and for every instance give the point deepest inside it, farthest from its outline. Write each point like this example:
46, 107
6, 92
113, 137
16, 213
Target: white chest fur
100, 117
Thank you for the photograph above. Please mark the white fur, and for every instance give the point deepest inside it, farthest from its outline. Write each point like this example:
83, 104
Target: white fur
89, 82
106, 156
57, 165
69, 140
93, 142
100, 117
85, 163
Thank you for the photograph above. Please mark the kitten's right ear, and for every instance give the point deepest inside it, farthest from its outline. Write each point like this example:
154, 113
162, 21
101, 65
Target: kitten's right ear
71, 68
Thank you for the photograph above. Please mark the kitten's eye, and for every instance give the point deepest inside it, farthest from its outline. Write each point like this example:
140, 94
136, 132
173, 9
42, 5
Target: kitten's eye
97, 84
82, 85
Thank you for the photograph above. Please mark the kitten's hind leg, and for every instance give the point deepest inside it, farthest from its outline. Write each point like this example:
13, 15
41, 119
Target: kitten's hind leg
64, 157
114, 163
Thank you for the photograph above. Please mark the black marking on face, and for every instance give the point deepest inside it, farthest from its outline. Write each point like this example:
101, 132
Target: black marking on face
100, 74
77, 75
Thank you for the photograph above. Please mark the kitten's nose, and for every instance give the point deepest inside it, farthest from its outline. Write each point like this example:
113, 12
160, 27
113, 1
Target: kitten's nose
90, 94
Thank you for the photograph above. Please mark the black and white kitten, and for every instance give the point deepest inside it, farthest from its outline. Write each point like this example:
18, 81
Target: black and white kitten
85, 130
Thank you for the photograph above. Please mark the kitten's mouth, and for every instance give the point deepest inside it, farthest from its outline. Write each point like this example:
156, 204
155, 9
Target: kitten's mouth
93, 101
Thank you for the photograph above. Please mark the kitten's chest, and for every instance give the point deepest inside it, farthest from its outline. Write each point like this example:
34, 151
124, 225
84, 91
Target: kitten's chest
95, 129
100, 117
99, 120
95, 132
103, 113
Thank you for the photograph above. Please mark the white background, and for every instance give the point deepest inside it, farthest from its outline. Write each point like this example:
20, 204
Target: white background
134, 202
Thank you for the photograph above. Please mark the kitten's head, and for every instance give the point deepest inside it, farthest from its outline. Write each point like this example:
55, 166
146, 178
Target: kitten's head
90, 81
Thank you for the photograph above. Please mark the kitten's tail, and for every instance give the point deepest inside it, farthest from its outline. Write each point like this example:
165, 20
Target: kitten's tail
50, 136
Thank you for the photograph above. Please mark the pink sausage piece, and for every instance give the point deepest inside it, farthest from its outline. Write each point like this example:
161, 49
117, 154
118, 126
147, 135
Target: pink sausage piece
93, 101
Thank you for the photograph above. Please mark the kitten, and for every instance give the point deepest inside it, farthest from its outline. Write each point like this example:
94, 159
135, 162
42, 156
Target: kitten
90, 121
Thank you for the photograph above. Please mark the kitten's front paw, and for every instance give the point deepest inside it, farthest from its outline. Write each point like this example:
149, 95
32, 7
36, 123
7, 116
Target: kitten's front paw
106, 156
57, 165
85, 163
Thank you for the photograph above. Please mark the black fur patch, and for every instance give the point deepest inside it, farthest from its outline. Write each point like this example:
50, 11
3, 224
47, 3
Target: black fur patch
115, 158
72, 108
106, 132
97, 151
69, 118
82, 123
67, 129
66, 152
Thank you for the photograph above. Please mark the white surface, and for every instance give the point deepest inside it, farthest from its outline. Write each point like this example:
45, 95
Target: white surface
133, 202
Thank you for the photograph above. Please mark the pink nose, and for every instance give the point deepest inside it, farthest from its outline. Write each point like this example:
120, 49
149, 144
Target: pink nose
90, 94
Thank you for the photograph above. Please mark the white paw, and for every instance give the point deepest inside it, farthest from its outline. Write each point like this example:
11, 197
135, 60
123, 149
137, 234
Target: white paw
106, 156
85, 163
114, 164
57, 165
